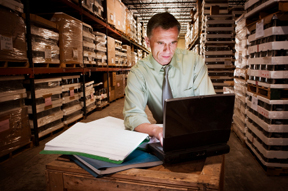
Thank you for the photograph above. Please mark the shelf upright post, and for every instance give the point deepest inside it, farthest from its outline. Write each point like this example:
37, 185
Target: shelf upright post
84, 94
32, 84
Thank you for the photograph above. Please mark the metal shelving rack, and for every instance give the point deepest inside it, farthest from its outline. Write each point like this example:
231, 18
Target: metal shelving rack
43, 8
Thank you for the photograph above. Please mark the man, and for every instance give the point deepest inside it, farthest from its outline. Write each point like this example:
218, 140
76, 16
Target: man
187, 74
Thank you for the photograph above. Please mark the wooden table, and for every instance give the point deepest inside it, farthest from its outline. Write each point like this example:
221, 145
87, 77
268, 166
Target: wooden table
206, 174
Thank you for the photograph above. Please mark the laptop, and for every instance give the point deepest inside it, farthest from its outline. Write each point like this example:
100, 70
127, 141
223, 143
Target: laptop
195, 127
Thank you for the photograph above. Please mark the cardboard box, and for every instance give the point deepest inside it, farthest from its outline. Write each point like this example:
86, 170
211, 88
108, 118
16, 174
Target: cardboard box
112, 79
119, 88
111, 93
70, 38
111, 12
120, 15
111, 50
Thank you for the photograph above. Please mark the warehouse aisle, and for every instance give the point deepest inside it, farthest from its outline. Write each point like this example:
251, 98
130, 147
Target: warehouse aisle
26, 171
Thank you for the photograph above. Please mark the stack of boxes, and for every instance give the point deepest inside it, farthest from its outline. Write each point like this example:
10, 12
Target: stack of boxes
240, 78
217, 42
128, 53
88, 46
71, 99
118, 53
100, 49
89, 96
267, 85
139, 32
15, 130
48, 105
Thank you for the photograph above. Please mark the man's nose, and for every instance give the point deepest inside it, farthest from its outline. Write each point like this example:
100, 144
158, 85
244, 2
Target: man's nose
167, 48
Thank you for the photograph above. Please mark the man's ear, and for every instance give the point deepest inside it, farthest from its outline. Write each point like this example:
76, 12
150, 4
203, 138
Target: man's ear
147, 41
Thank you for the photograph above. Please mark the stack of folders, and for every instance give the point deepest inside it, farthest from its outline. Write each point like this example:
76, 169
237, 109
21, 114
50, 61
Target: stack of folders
102, 147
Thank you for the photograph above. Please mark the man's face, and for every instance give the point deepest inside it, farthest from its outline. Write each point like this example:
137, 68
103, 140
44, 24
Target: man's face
163, 44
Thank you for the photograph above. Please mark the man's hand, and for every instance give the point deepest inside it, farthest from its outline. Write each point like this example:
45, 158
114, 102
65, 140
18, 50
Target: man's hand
152, 129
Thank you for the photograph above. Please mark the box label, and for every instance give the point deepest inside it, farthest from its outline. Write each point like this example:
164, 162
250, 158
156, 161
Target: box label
263, 112
259, 29
254, 103
48, 101
72, 95
264, 73
48, 53
6, 43
4, 125
75, 53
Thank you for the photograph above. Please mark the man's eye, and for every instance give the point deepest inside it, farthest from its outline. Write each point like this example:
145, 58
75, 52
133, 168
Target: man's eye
160, 43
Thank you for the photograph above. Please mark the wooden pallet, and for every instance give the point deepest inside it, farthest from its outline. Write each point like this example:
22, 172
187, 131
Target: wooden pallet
14, 64
47, 65
269, 93
15, 151
71, 65
90, 65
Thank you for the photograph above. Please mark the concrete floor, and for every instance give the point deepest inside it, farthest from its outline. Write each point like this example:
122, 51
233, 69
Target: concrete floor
243, 172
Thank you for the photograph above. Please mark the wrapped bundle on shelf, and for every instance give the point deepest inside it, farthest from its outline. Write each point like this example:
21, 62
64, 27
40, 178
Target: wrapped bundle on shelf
15, 130
100, 48
118, 53
89, 97
101, 97
128, 53
70, 40
71, 99
45, 47
12, 92
12, 36
267, 85
134, 58
140, 54
48, 104
88, 45
88, 5
98, 8
139, 33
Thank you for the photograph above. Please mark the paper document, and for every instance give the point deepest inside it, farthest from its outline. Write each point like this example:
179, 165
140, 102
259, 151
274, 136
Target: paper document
97, 138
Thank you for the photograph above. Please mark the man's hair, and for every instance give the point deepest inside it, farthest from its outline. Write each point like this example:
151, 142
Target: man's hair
164, 20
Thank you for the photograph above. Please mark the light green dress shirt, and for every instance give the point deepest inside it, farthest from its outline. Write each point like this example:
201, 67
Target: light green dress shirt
187, 76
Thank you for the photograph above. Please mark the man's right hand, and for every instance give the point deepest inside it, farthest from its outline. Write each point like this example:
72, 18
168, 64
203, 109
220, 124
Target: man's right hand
152, 129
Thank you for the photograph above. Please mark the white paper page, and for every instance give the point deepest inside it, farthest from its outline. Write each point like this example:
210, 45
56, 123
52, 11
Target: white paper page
113, 143
109, 122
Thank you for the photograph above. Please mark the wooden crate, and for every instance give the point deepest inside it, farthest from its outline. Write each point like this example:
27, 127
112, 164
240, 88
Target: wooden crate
205, 174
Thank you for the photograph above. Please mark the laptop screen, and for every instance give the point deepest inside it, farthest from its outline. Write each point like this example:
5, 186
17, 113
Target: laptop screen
197, 121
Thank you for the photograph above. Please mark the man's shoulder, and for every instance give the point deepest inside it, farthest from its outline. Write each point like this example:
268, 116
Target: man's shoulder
183, 52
